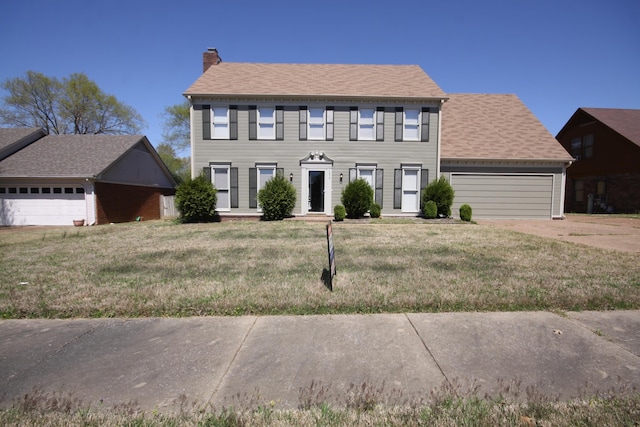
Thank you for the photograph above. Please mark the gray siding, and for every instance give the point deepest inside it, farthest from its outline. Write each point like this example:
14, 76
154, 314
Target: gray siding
287, 154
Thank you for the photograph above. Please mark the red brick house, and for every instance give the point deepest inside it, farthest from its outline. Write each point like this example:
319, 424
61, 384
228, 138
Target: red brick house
605, 176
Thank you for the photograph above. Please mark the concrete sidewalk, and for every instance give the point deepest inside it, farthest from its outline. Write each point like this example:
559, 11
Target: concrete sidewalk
216, 359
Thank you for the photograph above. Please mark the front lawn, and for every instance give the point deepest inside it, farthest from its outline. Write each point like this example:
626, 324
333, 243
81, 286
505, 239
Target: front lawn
233, 268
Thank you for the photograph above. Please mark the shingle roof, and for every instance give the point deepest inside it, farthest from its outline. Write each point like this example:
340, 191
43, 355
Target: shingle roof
10, 136
625, 122
317, 80
495, 126
68, 156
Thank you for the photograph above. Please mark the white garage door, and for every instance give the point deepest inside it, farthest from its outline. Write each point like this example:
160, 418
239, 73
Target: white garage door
41, 205
503, 195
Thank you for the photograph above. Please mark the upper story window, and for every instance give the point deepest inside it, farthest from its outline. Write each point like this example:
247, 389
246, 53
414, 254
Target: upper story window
582, 146
266, 123
316, 123
411, 128
367, 124
412, 124
220, 123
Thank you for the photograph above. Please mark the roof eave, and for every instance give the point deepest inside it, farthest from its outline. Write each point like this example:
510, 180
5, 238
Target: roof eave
508, 159
334, 97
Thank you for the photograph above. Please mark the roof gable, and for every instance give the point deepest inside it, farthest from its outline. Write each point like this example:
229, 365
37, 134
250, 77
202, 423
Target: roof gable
626, 122
75, 156
495, 126
235, 79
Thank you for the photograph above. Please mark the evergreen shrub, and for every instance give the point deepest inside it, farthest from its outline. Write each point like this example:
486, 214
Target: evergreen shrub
430, 210
339, 213
357, 198
465, 212
441, 193
196, 200
277, 198
375, 210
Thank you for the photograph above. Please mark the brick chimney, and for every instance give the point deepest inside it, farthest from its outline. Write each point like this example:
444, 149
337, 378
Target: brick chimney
209, 58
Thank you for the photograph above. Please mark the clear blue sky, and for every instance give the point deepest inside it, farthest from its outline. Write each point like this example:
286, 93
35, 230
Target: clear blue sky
556, 55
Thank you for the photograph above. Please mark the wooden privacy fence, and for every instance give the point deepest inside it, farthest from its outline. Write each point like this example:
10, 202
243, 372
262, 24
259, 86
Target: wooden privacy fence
168, 207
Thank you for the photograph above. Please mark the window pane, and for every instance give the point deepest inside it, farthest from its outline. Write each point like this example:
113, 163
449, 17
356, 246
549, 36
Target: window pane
367, 175
223, 199
265, 175
316, 115
411, 117
366, 116
220, 131
367, 132
221, 178
267, 115
266, 131
409, 201
220, 115
316, 131
410, 180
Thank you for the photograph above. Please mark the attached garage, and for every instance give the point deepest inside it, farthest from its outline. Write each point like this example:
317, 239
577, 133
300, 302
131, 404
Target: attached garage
42, 205
514, 196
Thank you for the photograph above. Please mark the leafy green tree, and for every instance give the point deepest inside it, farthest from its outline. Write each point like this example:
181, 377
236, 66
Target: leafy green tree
196, 200
178, 166
176, 127
74, 104
441, 192
277, 198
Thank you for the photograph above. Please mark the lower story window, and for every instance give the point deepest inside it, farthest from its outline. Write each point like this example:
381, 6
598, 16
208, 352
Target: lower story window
265, 173
221, 181
410, 189
579, 190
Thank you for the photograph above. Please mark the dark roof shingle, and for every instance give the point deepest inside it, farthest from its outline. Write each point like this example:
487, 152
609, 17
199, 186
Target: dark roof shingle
625, 122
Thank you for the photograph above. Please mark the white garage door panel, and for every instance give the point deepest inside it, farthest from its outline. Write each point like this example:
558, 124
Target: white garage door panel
42, 209
504, 196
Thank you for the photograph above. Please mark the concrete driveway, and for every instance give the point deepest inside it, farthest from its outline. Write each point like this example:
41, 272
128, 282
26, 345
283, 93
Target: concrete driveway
600, 231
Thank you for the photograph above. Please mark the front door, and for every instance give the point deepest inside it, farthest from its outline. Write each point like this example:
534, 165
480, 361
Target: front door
316, 191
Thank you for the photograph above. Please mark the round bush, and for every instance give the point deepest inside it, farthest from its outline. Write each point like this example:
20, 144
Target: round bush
465, 212
430, 210
196, 200
357, 198
375, 210
277, 198
442, 193
339, 213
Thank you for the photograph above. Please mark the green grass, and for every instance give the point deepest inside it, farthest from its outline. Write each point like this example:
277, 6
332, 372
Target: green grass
235, 268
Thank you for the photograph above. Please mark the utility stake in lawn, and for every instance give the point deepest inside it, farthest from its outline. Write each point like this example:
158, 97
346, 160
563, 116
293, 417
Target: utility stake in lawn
332, 256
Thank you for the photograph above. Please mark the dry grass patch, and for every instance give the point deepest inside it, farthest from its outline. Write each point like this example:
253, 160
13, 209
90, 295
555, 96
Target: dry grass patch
233, 268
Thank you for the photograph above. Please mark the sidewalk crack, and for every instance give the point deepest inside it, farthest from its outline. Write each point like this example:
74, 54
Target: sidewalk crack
424, 344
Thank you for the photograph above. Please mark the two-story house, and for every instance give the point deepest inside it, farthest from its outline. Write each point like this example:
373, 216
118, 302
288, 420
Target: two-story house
322, 125
606, 174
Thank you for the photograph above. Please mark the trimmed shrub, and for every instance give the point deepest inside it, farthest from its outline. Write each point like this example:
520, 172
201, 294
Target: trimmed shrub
441, 193
277, 198
196, 200
357, 198
465, 212
430, 210
339, 213
375, 210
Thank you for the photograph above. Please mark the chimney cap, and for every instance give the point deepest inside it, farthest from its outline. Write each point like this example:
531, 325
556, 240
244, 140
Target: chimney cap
212, 49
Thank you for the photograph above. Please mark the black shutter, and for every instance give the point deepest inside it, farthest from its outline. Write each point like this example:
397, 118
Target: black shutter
253, 188
379, 184
206, 120
353, 124
279, 123
399, 124
303, 123
280, 172
234, 187
424, 181
380, 124
253, 119
397, 189
233, 122
353, 173
329, 113
424, 132
206, 172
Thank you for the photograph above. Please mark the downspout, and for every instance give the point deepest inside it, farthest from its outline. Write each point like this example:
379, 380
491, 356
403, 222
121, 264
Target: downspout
439, 142
191, 137
90, 200
563, 187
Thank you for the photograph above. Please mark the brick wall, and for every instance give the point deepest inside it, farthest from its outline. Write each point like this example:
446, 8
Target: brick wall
622, 192
124, 203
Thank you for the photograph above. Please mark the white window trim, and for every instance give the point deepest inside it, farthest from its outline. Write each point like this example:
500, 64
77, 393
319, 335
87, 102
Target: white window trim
372, 124
415, 208
372, 168
266, 120
259, 169
222, 189
405, 124
324, 124
219, 120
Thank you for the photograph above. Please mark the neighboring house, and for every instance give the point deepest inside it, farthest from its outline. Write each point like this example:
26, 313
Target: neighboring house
323, 125
55, 179
606, 174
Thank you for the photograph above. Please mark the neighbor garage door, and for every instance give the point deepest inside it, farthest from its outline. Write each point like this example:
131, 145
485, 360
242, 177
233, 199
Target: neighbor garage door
41, 205
503, 195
